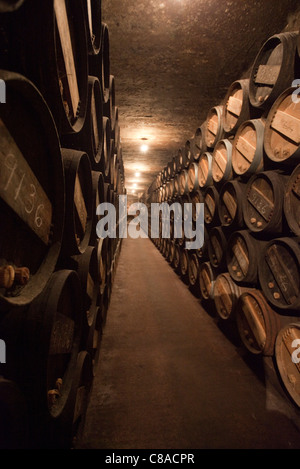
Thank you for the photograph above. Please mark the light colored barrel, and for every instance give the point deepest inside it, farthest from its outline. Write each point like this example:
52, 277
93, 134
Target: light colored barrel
282, 132
248, 148
205, 177
222, 161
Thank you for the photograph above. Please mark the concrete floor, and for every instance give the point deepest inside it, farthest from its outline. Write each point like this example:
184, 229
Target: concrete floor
170, 378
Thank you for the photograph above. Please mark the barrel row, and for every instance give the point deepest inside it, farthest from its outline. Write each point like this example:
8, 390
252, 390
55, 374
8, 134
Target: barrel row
243, 165
61, 157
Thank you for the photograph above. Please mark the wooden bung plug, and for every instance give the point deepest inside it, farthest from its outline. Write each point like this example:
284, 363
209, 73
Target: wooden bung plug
22, 275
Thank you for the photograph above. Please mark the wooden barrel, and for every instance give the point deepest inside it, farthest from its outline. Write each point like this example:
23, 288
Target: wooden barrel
104, 163
183, 187
14, 422
291, 205
62, 78
248, 148
222, 161
93, 21
179, 160
198, 144
226, 294
214, 130
51, 340
263, 202
282, 132
230, 204
217, 246
205, 178
88, 271
79, 202
207, 278
103, 264
243, 255
211, 200
195, 197
109, 108
31, 192
176, 258
193, 183
202, 252
273, 69
184, 263
70, 426
90, 137
287, 359
236, 106
279, 273
99, 64
171, 251
257, 323
193, 272
187, 154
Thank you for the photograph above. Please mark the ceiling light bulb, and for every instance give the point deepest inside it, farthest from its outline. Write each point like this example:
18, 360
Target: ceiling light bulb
144, 148
137, 174
134, 185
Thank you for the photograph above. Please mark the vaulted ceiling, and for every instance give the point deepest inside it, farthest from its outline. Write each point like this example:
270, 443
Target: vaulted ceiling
172, 61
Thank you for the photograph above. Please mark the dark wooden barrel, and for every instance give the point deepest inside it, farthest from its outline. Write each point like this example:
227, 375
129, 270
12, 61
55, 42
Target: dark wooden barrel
90, 138
236, 106
257, 323
93, 21
70, 426
226, 294
273, 69
198, 144
205, 177
104, 163
195, 197
291, 203
79, 202
287, 359
243, 255
176, 258
51, 341
217, 246
61, 74
248, 148
179, 160
263, 202
230, 204
193, 272
222, 161
184, 264
282, 132
202, 252
279, 273
99, 64
193, 183
214, 130
109, 108
31, 191
211, 200
87, 269
183, 186
14, 422
98, 198
207, 277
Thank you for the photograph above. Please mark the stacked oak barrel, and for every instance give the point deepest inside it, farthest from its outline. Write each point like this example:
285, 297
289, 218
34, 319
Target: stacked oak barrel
243, 164
61, 157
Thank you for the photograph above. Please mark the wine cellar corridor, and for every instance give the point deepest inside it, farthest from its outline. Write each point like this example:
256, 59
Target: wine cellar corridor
150, 225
